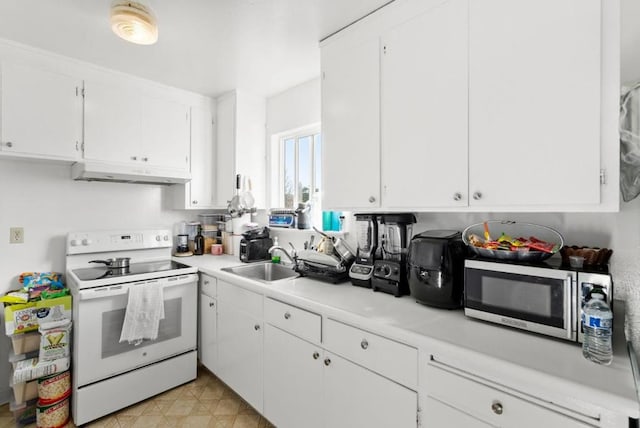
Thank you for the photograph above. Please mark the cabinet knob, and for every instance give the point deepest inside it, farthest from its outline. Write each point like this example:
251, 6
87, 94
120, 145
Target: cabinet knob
316, 355
206, 282
256, 327
327, 361
496, 407
457, 196
287, 315
145, 159
194, 202
211, 304
134, 157
477, 196
9, 144
372, 199
364, 344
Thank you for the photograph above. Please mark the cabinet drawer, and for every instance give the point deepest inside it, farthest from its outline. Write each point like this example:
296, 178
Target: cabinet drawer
392, 359
491, 405
208, 285
240, 298
299, 322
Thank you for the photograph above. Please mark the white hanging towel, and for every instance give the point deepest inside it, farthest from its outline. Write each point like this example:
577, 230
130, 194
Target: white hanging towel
145, 309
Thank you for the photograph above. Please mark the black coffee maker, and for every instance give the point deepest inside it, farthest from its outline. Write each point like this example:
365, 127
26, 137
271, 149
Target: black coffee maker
435, 264
255, 244
389, 272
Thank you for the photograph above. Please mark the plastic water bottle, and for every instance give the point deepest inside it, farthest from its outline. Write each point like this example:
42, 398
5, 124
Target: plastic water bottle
597, 321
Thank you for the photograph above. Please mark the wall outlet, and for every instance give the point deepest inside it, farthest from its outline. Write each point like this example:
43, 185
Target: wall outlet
16, 235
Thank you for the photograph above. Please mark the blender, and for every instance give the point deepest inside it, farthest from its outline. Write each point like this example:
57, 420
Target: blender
361, 270
390, 272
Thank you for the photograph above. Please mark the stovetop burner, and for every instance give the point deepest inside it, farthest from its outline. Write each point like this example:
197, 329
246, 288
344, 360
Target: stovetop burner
99, 272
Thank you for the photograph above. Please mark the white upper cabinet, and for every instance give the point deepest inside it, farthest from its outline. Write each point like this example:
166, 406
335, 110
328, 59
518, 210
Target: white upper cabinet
112, 123
534, 102
201, 186
351, 123
41, 113
240, 146
424, 109
487, 105
124, 124
165, 133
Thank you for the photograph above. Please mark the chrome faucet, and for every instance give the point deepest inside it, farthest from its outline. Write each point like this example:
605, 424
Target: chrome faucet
278, 247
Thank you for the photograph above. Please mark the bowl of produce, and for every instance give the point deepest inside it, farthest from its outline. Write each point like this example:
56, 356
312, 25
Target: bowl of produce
510, 240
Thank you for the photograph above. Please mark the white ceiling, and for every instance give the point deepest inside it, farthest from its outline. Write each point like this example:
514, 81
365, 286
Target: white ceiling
207, 46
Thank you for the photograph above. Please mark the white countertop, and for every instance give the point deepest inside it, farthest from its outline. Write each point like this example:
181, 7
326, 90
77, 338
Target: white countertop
549, 366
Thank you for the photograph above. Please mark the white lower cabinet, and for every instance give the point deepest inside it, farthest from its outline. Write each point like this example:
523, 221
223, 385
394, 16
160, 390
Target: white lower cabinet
357, 397
462, 399
240, 350
306, 385
293, 373
208, 320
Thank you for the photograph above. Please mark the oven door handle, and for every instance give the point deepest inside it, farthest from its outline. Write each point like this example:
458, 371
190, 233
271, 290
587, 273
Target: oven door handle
123, 289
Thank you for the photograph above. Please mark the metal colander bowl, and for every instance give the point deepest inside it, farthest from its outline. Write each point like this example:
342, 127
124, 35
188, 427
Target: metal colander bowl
516, 230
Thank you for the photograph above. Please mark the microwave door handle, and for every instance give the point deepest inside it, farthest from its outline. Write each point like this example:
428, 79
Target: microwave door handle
568, 300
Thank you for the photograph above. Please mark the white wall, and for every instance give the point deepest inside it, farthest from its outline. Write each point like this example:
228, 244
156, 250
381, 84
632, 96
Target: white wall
295, 108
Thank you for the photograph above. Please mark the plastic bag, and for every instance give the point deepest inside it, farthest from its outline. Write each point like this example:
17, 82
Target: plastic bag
630, 143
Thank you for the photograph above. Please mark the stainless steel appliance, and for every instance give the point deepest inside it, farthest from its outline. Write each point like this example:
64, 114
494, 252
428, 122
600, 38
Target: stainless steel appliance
389, 273
544, 298
109, 375
435, 267
361, 270
282, 218
255, 244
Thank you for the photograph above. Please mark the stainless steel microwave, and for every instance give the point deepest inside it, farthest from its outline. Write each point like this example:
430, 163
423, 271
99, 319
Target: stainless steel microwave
544, 299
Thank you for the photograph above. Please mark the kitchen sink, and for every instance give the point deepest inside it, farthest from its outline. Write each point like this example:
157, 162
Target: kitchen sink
266, 272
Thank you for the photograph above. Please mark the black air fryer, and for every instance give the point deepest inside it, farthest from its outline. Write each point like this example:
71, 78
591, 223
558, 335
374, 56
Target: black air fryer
435, 265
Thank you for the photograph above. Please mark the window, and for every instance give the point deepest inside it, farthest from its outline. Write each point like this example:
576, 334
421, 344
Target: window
301, 169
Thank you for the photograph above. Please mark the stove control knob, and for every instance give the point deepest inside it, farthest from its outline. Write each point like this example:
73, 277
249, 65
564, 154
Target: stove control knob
158, 238
86, 241
74, 243
166, 237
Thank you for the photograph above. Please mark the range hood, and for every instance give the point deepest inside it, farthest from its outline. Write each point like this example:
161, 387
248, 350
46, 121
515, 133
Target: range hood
123, 173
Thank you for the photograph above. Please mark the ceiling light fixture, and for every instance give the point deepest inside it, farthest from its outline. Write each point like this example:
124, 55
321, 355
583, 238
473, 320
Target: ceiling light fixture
134, 22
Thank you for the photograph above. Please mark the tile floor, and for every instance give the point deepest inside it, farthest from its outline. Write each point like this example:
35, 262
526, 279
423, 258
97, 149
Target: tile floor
204, 403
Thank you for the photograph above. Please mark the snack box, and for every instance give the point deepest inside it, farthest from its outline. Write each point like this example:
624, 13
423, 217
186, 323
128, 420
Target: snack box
24, 317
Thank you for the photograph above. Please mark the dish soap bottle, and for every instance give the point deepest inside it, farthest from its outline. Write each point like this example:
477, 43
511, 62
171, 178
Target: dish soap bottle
198, 243
275, 254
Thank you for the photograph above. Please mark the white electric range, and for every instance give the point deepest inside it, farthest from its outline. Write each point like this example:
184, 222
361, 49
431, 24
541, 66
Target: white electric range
101, 267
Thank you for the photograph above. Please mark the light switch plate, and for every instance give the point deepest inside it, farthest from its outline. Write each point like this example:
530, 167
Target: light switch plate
16, 235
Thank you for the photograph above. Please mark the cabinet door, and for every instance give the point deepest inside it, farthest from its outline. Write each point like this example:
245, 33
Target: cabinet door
208, 332
351, 124
437, 414
534, 102
292, 380
424, 109
202, 159
112, 130
225, 150
41, 112
240, 355
357, 397
165, 133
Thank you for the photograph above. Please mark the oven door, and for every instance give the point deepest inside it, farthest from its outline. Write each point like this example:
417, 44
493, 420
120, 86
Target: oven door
531, 298
99, 316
